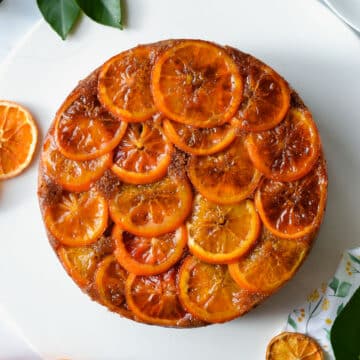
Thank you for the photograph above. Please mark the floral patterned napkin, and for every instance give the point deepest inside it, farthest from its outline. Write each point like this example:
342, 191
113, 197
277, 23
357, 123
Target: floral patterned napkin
316, 316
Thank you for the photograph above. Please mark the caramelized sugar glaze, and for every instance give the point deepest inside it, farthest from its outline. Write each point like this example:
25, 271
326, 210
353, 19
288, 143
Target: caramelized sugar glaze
182, 183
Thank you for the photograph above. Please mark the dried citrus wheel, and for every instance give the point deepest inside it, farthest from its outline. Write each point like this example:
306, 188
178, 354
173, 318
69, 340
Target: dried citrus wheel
198, 141
149, 255
84, 130
153, 209
143, 155
293, 346
124, 84
154, 299
110, 280
197, 83
226, 177
293, 209
77, 219
220, 234
209, 293
72, 175
18, 139
288, 151
266, 97
270, 264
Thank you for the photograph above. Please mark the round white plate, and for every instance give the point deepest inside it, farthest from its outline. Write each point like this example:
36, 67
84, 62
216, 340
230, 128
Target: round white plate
305, 42
347, 10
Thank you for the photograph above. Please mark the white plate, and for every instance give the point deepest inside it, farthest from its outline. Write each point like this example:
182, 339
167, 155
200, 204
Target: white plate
348, 10
306, 43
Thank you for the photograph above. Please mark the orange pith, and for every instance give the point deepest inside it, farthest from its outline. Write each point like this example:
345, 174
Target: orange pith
209, 292
154, 299
124, 84
18, 139
77, 218
220, 234
72, 175
293, 346
84, 130
199, 141
293, 209
143, 155
149, 255
153, 209
110, 280
226, 177
196, 83
271, 263
288, 151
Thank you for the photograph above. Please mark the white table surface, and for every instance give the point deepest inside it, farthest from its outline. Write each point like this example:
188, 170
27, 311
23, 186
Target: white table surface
16, 19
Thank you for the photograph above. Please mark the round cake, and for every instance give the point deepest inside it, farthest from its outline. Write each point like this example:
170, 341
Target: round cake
182, 183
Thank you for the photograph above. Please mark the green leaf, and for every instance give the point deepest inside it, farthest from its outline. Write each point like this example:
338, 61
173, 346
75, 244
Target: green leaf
345, 333
334, 284
354, 258
343, 289
60, 14
340, 309
292, 323
106, 12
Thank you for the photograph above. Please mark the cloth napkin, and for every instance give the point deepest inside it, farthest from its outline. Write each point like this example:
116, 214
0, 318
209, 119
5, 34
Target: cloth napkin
317, 314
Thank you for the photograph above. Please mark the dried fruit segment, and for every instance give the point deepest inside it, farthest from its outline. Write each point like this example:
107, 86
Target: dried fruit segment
143, 155
290, 150
196, 83
220, 234
18, 139
149, 255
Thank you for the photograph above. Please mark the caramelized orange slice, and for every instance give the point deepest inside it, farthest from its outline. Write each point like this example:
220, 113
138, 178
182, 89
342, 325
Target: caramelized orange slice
289, 151
110, 280
198, 141
220, 234
72, 175
293, 346
226, 177
143, 154
196, 83
124, 84
84, 130
154, 209
154, 300
209, 293
293, 209
266, 98
149, 255
77, 219
270, 264
18, 139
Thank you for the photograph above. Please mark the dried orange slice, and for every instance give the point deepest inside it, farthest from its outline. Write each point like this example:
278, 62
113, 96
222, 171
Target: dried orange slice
110, 279
154, 299
149, 255
77, 219
226, 177
84, 130
124, 84
209, 293
266, 97
18, 139
72, 175
153, 209
143, 155
293, 346
197, 83
290, 150
220, 234
270, 264
293, 209
198, 141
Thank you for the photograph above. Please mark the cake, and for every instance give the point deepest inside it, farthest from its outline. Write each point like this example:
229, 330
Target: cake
182, 183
